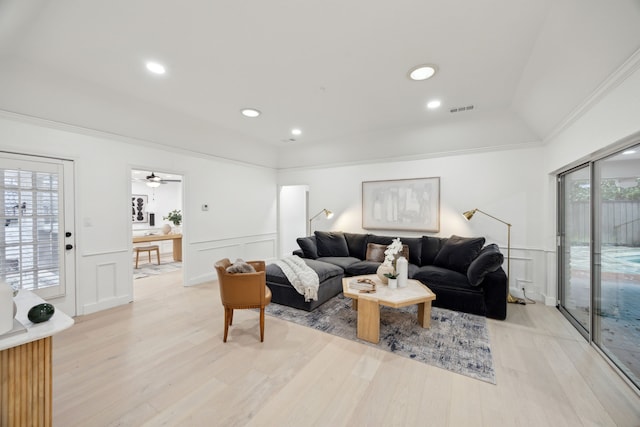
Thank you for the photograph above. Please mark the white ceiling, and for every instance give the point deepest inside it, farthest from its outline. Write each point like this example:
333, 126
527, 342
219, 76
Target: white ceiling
335, 69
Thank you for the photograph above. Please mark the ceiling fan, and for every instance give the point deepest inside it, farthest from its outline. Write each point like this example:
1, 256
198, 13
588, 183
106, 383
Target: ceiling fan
154, 181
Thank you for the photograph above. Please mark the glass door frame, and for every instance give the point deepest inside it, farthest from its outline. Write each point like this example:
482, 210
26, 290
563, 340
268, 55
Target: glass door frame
561, 250
593, 335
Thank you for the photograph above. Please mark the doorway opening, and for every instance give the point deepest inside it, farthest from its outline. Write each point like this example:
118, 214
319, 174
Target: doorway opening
156, 223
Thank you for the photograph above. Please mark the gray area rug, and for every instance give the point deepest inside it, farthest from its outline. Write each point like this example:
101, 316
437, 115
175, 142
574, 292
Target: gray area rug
146, 270
458, 342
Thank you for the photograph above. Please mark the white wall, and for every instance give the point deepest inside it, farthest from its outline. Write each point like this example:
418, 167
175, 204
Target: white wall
508, 184
292, 214
610, 121
241, 221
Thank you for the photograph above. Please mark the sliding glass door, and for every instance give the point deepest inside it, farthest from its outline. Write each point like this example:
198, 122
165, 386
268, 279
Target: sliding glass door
599, 255
574, 246
616, 253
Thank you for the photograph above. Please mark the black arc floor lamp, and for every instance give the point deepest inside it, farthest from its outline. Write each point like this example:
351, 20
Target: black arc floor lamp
327, 213
468, 215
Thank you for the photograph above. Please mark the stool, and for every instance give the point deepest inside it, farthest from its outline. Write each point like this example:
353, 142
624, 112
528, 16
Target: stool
147, 249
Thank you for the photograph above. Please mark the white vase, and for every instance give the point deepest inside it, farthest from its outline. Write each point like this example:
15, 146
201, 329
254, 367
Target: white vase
382, 270
6, 308
402, 266
166, 229
393, 283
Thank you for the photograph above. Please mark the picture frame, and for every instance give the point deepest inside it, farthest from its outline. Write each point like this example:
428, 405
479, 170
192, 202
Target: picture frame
139, 212
402, 204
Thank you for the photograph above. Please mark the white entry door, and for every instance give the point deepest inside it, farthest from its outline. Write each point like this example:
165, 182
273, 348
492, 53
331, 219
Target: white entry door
37, 239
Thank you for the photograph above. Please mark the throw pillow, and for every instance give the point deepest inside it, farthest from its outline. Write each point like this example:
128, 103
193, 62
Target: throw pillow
357, 244
240, 267
430, 248
375, 252
331, 244
415, 249
458, 252
308, 246
405, 252
489, 260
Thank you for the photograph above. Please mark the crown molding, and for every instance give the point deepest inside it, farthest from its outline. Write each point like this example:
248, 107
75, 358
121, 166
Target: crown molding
615, 79
67, 127
414, 157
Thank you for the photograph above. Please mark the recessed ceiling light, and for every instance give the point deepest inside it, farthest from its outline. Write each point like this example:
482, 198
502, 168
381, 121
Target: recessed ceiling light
250, 112
296, 131
156, 68
433, 104
629, 152
422, 72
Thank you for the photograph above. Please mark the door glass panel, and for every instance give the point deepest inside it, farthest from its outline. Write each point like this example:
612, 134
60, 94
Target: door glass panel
30, 213
574, 225
617, 260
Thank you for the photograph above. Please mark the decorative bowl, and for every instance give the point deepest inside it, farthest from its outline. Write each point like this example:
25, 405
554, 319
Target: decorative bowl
41, 312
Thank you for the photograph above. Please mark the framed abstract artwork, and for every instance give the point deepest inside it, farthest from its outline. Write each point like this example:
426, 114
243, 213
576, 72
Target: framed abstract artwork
402, 204
139, 208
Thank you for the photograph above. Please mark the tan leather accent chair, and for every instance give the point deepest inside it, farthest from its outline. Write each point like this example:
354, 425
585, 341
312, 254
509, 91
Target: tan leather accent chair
242, 290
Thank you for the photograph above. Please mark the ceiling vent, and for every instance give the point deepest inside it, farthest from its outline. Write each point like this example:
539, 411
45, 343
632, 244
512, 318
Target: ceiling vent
461, 109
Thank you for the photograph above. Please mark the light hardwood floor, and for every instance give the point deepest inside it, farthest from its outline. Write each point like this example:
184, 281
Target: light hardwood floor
161, 361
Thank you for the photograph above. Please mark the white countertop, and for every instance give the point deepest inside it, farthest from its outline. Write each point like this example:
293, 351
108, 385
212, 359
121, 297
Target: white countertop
35, 331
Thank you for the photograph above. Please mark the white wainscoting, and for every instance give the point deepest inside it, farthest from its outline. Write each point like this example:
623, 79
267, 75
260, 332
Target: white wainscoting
104, 281
202, 255
529, 270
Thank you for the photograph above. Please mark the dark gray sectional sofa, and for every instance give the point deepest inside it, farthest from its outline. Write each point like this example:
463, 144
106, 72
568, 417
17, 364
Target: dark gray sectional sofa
464, 274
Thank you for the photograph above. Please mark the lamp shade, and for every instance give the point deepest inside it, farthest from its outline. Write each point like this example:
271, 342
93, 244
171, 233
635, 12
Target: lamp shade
469, 214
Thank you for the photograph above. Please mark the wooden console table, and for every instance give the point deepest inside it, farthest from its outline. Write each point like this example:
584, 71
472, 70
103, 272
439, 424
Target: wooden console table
25, 366
177, 242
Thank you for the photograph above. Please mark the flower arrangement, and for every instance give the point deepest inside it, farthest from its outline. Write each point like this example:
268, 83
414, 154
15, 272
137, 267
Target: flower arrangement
175, 216
391, 255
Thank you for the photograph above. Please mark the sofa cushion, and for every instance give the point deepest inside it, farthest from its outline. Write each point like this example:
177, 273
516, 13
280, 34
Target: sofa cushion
357, 244
415, 249
331, 244
308, 246
341, 261
439, 276
324, 271
430, 248
458, 252
489, 260
381, 240
361, 268
375, 252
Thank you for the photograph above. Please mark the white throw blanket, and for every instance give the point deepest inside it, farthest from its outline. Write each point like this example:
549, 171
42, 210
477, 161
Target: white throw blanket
301, 276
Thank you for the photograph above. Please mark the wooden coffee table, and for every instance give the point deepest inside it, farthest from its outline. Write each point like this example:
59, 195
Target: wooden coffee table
368, 304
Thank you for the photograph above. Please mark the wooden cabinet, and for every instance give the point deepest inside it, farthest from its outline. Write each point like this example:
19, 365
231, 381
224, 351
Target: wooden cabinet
26, 367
